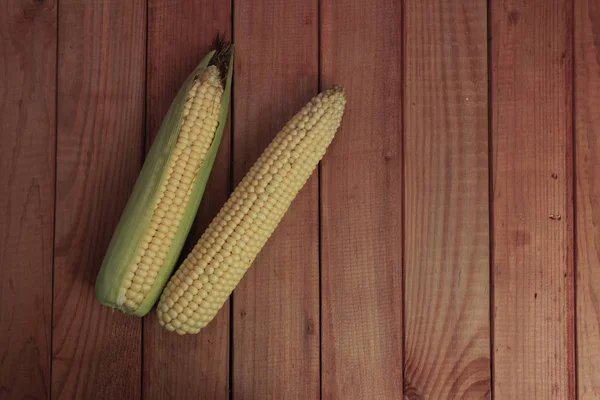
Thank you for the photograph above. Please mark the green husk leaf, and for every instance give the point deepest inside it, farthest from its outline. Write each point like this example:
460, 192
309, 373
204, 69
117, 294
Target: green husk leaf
135, 220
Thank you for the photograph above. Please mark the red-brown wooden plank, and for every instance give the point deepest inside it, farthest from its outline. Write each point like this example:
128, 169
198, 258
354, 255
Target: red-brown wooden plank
587, 167
276, 306
447, 314
96, 351
361, 200
27, 160
531, 91
179, 35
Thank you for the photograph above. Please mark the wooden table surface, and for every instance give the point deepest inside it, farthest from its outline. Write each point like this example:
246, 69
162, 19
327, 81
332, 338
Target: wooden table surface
447, 247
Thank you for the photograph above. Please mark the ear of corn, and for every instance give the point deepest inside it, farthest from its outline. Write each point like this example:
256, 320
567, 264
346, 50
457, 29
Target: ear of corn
232, 241
159, 213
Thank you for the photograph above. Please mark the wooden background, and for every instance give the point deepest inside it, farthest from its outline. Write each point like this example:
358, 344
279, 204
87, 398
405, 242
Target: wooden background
448, 246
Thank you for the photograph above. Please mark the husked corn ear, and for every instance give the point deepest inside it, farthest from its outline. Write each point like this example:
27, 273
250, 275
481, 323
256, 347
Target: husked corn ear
234, 238
197, 131
160, 211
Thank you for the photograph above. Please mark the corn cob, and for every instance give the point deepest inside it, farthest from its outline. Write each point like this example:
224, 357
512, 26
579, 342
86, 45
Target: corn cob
164, 201
234, 238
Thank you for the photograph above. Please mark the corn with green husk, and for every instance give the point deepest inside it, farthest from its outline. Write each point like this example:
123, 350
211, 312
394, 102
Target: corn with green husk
234, 238
164, 201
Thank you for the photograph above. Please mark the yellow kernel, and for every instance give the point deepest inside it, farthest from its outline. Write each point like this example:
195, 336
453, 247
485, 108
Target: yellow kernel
143, 266
169, 327
130, 304
146, 261
169, 302
135, 287
188, 296
182, 318
162, 308
183, 302
153, 247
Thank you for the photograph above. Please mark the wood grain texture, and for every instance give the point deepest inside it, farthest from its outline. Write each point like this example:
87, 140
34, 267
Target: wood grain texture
587, 164
96, 351
531, 89
276, 306
27, 144
179, 36
361, 203
446, 276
